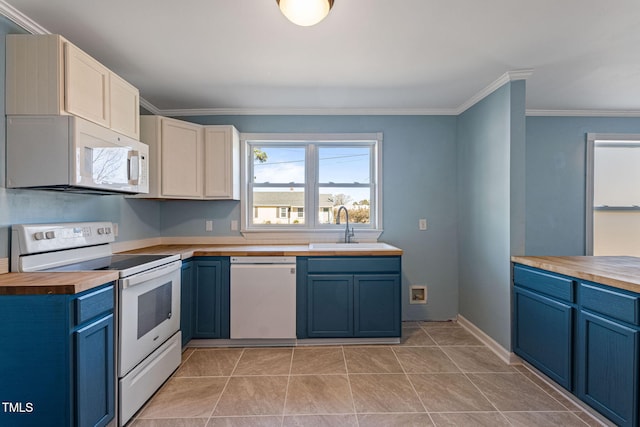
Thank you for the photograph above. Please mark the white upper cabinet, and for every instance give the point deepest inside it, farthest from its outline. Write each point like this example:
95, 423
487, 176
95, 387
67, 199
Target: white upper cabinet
86, 83
180, 159
47, 74
191, 161
125, 107
222, 162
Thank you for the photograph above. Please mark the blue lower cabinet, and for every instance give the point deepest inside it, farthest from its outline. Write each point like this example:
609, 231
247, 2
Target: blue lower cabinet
57, 365
608, 368
348, 297
377, 305
94, 366
211, 297
186, 302
329, 306
583, 335
543, 334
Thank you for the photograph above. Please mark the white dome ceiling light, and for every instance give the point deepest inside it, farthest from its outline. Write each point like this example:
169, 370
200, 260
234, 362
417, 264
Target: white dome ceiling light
305, 12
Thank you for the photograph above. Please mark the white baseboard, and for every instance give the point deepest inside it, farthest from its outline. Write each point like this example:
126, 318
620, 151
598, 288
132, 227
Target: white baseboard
504, 354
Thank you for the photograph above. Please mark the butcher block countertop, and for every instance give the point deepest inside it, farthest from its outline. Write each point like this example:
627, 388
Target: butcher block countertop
188, 251
621, 272
74, 282
53, 283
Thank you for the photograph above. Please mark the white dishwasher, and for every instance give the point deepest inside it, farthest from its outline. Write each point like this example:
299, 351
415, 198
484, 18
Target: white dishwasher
263, 297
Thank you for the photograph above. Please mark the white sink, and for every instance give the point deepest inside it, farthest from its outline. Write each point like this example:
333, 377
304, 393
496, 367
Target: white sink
373, 246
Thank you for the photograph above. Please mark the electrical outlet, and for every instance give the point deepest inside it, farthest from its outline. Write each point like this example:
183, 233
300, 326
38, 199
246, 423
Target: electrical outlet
422, 224
234, 225
208, 226
115, 229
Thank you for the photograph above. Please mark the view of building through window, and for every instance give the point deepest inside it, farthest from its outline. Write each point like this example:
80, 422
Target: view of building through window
290, 180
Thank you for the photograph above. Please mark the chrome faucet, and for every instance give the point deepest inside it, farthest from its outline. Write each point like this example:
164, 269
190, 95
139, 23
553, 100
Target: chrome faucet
348, 234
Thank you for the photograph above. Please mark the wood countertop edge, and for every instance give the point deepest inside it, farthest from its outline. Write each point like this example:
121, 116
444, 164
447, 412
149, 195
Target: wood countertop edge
582, 267
190, 251
44, 283
61, 283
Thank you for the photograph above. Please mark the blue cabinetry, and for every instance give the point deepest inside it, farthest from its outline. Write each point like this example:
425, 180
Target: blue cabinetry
583, 335
57, 359
607, 353
543, 325
186, 301
342, 297
211, 297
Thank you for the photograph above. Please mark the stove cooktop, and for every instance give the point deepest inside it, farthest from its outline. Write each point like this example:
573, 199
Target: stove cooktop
126, 264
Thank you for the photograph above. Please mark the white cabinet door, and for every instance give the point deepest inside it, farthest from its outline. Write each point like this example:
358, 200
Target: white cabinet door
181, 164
125, 107
222, 160
86, 86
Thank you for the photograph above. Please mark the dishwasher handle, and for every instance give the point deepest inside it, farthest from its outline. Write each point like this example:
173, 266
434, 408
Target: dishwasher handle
263, 260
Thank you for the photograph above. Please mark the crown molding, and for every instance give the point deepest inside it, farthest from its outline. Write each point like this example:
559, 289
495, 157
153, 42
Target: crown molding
21, 19
507, 77
310, 112
151, 108
583, 113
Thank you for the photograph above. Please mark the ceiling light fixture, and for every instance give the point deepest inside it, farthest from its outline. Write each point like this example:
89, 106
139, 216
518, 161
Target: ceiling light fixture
305, 12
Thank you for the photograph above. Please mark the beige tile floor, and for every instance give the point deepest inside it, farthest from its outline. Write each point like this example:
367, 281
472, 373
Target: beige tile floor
439, 375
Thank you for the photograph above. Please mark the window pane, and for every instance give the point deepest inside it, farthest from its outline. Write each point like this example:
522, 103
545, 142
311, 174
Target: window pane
344, 165
278, 165
356, 200
275, 206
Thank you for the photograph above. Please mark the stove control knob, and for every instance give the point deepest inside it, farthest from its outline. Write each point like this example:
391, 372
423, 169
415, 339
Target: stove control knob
100, 230
50, 235
39, 235
107, 230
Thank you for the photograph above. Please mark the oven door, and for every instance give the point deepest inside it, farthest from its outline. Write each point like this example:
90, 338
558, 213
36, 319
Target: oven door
149, 313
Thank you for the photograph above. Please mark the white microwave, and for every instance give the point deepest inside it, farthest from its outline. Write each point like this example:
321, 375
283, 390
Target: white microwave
72, 154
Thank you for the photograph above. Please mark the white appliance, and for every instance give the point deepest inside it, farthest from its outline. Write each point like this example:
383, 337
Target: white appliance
72, 154
263, 297
148, 343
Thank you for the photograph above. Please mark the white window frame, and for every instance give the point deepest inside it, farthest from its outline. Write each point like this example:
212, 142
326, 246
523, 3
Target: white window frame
310, 231
592, 140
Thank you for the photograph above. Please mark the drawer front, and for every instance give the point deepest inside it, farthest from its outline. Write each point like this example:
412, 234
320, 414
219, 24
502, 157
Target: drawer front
610, 302
354, 265
545, 283
93, 304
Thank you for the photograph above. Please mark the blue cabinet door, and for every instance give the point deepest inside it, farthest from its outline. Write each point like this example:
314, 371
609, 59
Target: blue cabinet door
186, 302
329, 305
211, 298
377, 305
94, 374
543, 334
608, 368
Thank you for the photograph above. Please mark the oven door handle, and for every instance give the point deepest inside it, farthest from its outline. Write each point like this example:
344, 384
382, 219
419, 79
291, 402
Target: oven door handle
149, 275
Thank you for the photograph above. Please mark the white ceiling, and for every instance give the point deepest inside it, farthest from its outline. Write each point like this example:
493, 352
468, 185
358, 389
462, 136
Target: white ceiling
374, 55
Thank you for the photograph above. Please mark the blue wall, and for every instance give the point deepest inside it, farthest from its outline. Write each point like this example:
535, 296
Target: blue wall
556, 180
137, 219
419, 181
490, 162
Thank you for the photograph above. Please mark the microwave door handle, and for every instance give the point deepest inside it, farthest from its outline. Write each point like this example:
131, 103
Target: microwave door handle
133, 167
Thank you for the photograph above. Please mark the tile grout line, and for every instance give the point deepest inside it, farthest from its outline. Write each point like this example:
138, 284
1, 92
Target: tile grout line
467, 377
225, 387
412, 386
286, 390
551, 396
353, 401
